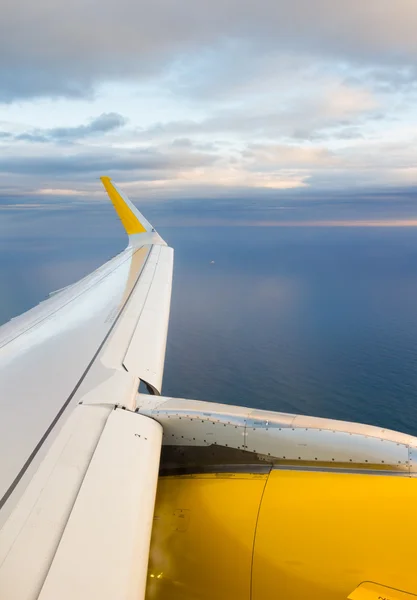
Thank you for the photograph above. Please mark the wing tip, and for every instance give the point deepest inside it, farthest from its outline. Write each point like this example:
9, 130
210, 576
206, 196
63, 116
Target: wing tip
125, 210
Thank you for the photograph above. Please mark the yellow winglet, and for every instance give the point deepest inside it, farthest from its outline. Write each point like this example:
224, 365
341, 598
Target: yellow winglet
124, 208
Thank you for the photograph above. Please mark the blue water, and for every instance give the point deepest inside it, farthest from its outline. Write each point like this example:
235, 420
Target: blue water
315, 321
320, 321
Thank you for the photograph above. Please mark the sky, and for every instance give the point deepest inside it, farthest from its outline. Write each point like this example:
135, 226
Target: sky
240, 116
268, 100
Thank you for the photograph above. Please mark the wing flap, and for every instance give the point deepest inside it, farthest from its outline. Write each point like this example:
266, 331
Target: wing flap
104, 549
82, 527
31, 535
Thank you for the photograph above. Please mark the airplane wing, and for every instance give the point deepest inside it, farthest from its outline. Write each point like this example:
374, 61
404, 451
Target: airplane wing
77, 464
110, 494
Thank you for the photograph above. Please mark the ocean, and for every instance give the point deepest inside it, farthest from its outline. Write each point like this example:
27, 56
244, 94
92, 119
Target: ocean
312, 320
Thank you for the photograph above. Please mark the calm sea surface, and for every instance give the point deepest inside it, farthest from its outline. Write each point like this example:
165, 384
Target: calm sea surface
313, 320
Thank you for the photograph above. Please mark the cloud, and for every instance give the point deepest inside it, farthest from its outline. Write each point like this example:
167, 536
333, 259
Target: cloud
332, 106
198, 99
75, 173
81, 163
102, 124
165, 171
288, 156
31, 137
69, 48
185, 168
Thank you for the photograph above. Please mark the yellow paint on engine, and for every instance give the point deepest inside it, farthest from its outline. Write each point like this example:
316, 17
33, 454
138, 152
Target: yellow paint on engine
202, 537
320, 535
129, 220
290, 536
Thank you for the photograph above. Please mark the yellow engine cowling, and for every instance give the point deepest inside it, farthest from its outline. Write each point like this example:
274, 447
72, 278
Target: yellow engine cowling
288, 535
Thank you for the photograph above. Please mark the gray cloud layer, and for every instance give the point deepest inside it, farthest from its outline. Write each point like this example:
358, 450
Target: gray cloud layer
141, 164
64, 48
103, 124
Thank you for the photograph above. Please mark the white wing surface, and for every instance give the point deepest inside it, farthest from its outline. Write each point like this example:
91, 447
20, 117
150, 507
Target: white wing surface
70, 441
